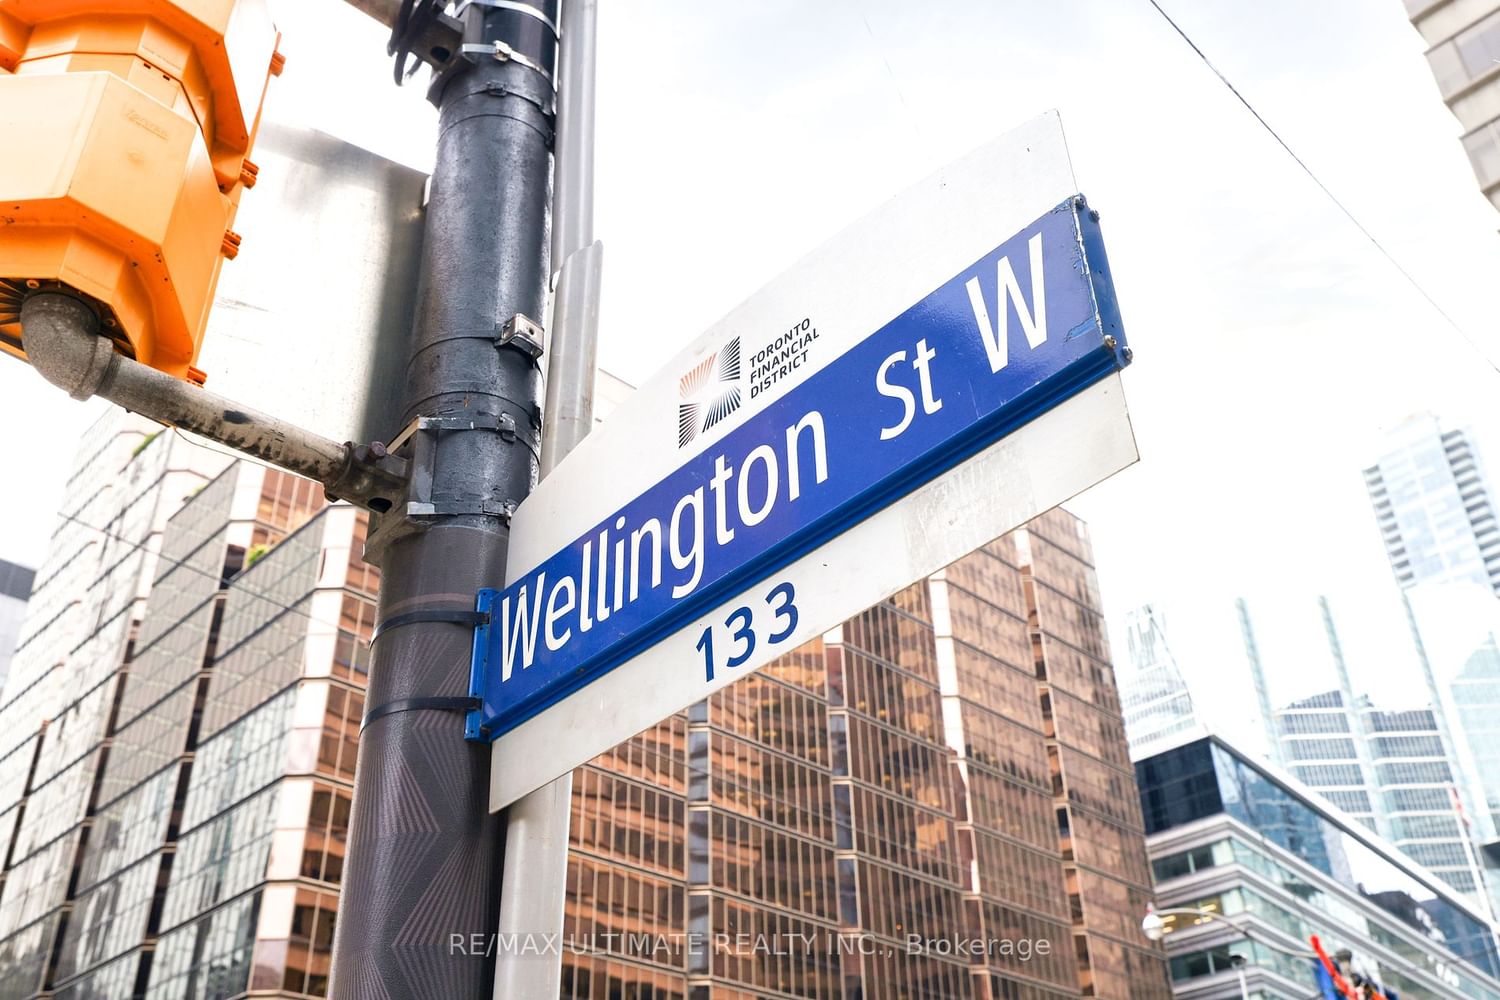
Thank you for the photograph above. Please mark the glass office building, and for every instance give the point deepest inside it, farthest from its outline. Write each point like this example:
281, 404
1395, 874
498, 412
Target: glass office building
942, 775
1415, 779
1432, 503
1435, 512
68, 672
1322, 744
182, 776
1475, 691
1394, 769
1154, 698
933, 800
1236, 839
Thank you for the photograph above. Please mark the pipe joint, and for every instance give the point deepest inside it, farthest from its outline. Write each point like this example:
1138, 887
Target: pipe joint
61, 336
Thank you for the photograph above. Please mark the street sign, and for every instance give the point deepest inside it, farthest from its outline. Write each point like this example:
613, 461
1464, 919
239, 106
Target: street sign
937, 375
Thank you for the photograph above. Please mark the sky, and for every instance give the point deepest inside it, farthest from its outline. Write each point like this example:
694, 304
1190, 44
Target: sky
1273, 340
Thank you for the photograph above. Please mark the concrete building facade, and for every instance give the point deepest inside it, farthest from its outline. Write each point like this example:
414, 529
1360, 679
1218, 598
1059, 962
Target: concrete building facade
1464, 52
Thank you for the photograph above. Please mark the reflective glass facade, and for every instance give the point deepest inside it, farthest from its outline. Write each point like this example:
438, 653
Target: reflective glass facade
1476, 698
1227, 836
56, 710
933, 800
181, 821
1154, 698
1395, 771
1432, 503
1435, 509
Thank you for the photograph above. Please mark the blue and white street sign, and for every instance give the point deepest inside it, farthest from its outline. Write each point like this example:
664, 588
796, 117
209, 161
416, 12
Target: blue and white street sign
844, 433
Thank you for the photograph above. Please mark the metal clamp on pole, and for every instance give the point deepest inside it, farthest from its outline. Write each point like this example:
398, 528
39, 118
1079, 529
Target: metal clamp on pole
517, 32
453, 616
524, 334
420, 502
509, 31
419, 28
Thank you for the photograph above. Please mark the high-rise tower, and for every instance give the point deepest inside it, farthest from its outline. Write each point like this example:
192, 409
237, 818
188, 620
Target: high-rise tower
1464, 53
932, 801
1154, 698
1433, 507
928, 802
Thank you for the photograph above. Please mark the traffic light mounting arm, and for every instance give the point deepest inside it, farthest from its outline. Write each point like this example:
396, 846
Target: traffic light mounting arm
63, 344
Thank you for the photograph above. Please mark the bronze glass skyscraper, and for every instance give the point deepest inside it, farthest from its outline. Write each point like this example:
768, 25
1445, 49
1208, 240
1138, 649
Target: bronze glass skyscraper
933, 800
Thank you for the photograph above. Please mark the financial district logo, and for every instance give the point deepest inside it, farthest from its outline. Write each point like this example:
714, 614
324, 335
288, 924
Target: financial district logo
709, 392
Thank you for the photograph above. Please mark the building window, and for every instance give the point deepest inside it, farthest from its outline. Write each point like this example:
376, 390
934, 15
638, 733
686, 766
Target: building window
1196, 859
1479, 47
1483, 147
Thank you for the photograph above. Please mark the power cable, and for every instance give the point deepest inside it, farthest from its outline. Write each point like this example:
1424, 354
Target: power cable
890, 71
206, 444
1473, 344
184, 565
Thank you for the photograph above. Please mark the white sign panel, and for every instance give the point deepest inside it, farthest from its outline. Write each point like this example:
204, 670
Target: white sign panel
937, 375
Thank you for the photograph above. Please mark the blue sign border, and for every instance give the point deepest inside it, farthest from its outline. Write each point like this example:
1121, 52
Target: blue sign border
1109, 354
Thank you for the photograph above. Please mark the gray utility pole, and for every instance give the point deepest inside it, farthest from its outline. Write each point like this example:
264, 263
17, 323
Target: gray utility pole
536, 841
422, 880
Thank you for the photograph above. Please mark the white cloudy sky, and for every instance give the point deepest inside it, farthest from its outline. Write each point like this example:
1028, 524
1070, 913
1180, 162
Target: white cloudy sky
1273, 341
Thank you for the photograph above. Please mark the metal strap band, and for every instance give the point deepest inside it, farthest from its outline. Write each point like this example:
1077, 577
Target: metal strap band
454, 616
419, 705
504, 52
519, 8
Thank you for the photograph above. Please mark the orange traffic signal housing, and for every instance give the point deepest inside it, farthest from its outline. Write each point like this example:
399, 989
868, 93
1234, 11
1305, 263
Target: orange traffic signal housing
128, 125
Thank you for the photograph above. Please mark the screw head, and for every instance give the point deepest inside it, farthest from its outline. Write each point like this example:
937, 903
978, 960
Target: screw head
1109, 342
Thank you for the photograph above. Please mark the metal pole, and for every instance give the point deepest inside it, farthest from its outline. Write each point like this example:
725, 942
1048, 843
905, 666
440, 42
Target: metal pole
536, 841
421, 885
573, 198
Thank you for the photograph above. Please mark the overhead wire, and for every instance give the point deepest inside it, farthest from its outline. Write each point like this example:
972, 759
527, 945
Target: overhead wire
208, 445
916, 122
184, 565
1410, 278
